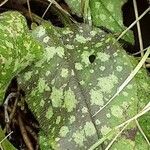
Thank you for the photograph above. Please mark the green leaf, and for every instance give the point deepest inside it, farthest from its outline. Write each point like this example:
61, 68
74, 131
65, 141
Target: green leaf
17, 48
80, 71
109, 15
103, 13
6, 145
75, 6
130, 143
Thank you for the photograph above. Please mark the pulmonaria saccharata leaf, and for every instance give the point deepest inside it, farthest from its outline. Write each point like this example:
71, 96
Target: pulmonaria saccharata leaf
109, 14
17, 48
79, 72
103, 13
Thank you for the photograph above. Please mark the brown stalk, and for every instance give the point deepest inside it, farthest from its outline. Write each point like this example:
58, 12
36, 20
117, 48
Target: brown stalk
24, 133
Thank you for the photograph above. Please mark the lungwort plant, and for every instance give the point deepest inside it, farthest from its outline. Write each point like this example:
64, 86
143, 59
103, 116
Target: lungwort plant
83, 88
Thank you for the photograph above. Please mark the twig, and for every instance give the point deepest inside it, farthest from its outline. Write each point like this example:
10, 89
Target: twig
129, 78
141, 16
24, 134
13, 110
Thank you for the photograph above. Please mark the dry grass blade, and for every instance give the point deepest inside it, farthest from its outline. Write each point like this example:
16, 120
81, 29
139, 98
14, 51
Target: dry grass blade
140, 17
4, 140
114, 139
60, 8
147, 66
29, 8
142, 132
138, 27
6, 137
145, 110
2, 3
100, 141
129, 78
47, 9
140, 52
104, 138
1, 148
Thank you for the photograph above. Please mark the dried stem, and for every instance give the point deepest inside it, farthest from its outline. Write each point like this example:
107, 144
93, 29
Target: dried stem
140, 17
138, 27
4, 140
47, 9
114, 139
24, 133
3, 2
141, 130
6, 137
31, 132
6, 105
29, 8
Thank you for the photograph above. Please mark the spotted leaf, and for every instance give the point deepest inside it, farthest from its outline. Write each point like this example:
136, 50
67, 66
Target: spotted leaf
78, 74
109, 15
17, 48
102, 13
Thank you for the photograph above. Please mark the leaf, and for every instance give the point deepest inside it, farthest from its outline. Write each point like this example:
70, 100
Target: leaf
103, 13
76, 6
6, 145
17, 48
144, 89
129, 144
109, 14
80, 71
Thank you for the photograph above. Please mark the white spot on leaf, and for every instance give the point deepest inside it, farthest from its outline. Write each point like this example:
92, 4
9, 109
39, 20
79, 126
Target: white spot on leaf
56, 97
70, 101
103, 56
63, 131
107, 83
105, 130
80, 39
79, 137
78, 66
89, 129
117, 111
96, 97
49, 113
46, 39
64, 72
